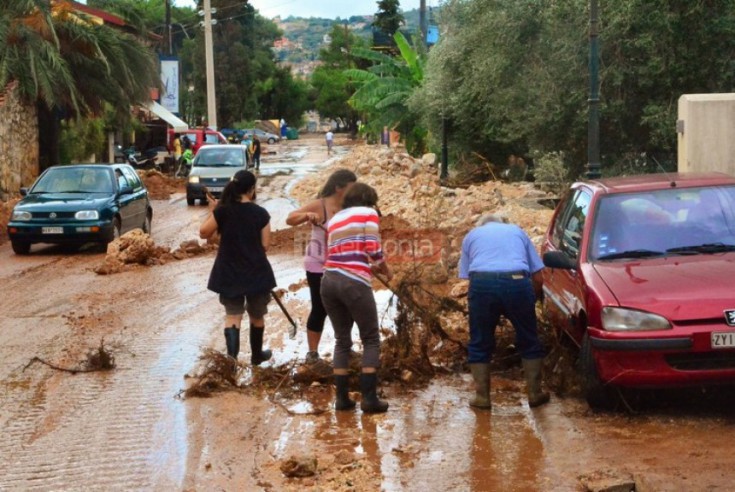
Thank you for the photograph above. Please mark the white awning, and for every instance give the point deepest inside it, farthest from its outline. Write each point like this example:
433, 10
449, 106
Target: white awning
167, 116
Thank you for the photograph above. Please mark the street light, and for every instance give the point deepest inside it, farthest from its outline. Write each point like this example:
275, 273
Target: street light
593, 124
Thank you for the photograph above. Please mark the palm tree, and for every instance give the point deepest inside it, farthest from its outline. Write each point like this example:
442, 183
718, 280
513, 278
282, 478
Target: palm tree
384, 89
67, 66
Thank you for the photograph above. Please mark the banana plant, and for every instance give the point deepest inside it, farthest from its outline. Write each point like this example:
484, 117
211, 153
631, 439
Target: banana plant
383, 90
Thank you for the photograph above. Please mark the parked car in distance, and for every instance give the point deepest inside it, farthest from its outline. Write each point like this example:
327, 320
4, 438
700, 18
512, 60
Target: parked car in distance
640, 276
263, 136
77, 204
213, 167
198, 137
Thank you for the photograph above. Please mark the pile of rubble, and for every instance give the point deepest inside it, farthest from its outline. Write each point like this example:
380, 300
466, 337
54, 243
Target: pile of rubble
411, 195
422, 227
6, 209
138, 248
161, 186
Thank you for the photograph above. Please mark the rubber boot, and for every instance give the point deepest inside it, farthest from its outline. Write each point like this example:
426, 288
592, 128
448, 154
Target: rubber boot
481, 375
232, 339
532, 371
343, 401
236, 341
369, 388
258, 355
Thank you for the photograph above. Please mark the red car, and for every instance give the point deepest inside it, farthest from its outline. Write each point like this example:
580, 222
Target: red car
641, 275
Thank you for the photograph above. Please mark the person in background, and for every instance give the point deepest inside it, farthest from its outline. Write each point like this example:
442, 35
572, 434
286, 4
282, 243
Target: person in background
354, 254
329, 137
241, 274
176, 144
247, 141
318, 212
505, 279
255, 151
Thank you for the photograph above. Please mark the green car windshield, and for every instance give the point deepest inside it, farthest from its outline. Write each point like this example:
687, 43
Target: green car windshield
220, 157
74, 180
674, 221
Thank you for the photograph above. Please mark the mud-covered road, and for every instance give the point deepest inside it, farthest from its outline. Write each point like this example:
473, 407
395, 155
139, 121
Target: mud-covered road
127, 429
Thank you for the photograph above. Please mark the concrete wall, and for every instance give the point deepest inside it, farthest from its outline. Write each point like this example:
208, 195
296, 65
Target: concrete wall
706, 133
18, 143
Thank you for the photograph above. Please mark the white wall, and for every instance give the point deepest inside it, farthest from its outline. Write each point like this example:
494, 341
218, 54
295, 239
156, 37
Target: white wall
706, 133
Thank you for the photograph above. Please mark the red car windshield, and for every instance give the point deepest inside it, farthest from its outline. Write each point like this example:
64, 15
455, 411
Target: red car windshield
670, 221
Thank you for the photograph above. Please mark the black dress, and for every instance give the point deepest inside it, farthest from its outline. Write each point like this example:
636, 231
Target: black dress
241, 266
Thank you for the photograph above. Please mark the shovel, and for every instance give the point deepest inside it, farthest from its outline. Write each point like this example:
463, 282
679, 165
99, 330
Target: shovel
294, 325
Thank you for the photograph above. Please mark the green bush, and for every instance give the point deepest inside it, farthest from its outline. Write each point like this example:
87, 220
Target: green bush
80, 139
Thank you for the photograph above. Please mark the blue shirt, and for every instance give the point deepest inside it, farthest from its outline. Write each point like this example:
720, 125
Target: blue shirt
498, 247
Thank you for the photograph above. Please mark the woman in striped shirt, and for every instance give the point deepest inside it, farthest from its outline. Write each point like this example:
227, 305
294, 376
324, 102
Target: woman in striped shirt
353, 254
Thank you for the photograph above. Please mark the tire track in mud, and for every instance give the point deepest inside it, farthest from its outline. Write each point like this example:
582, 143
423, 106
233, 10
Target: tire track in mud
105, 430
116, 430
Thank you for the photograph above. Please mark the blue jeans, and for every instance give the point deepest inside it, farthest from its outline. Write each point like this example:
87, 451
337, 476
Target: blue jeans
513, 298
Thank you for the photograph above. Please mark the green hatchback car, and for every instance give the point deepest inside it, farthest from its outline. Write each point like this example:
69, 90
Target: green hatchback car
78, 204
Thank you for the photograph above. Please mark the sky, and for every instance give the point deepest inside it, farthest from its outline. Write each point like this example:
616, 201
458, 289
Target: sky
328, 9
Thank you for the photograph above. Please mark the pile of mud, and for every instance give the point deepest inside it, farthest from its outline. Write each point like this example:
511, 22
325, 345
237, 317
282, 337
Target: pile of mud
410, 191
137, 248
422, 227
161, 186
6, 210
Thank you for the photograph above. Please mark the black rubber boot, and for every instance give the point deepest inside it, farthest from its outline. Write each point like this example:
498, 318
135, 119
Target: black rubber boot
343, 401
232, 339
258, 355
369, 388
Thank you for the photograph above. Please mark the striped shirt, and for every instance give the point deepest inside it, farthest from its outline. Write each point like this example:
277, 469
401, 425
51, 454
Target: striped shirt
354, 243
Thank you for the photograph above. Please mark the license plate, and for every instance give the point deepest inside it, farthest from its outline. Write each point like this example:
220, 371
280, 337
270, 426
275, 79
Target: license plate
723, 339
215, 189
52, 230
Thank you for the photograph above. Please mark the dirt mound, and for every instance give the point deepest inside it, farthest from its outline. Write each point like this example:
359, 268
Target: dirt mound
138, 248
409, 190
291, 240
161, 186
6, 209
422, 227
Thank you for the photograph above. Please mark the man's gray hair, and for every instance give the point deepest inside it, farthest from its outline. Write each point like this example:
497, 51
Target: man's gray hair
495, 217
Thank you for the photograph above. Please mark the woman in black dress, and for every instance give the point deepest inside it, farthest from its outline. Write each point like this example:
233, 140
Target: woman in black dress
241, 275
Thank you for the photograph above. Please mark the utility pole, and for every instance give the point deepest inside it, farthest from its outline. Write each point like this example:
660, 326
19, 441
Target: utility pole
593, 124
169, 48
422, 21
209, 56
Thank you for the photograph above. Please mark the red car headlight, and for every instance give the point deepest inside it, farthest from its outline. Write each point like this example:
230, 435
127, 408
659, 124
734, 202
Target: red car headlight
622, 319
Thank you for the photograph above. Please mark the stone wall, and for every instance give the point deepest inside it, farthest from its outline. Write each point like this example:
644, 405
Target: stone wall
18, 143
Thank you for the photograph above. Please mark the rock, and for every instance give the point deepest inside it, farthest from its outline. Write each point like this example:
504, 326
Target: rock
460, 289
363, 169
109, 266
132, 247
429, 159
608, 481
407, 376
299, 466
192, 247
180, 254
344, 457
434, 274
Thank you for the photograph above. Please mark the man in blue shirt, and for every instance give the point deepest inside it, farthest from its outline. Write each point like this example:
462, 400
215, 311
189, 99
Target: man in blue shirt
505, 279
